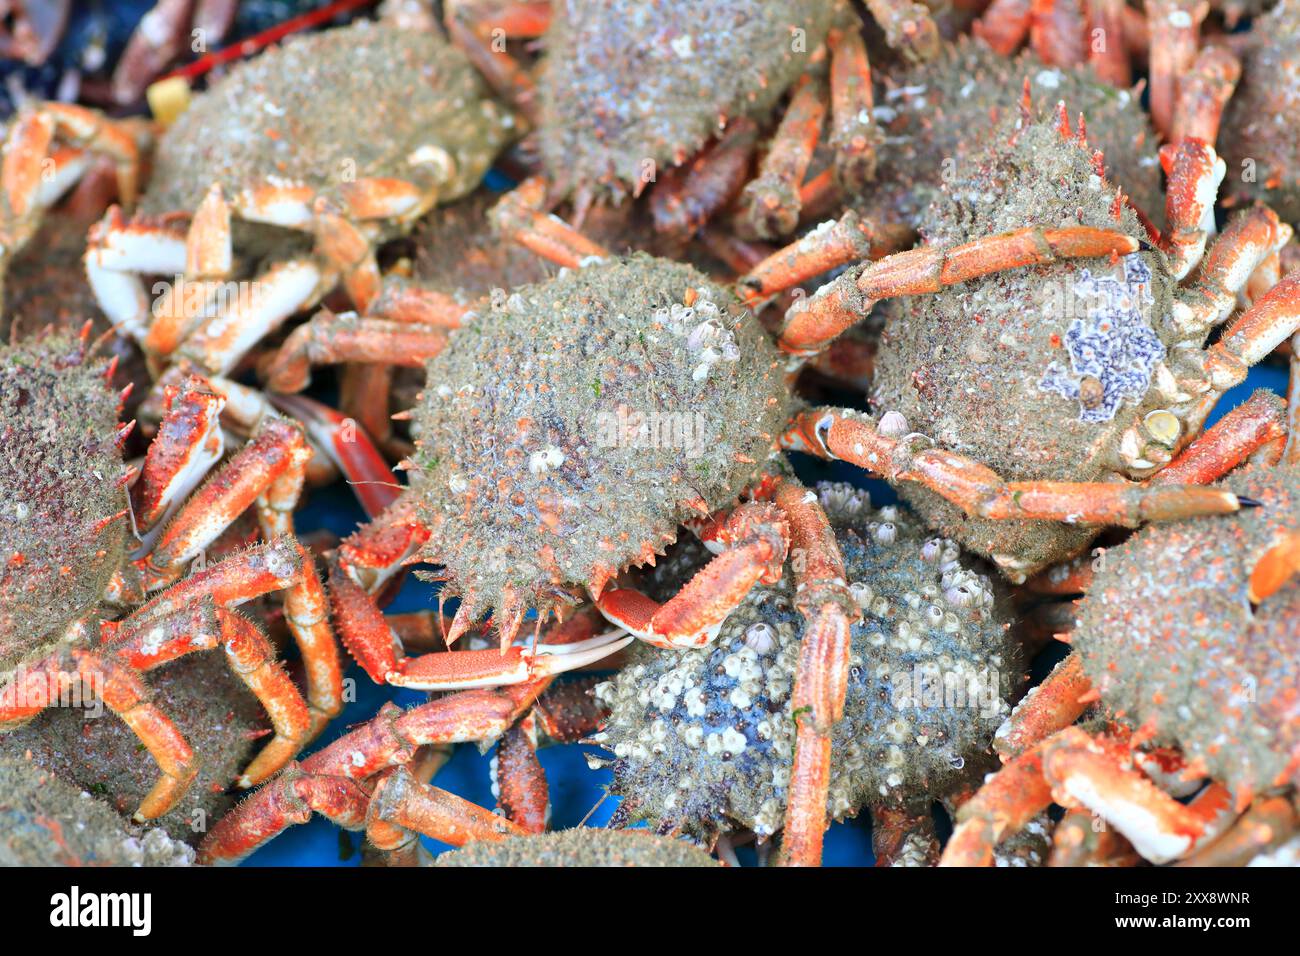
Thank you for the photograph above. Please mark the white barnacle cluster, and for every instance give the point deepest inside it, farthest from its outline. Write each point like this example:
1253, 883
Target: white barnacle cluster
708, 340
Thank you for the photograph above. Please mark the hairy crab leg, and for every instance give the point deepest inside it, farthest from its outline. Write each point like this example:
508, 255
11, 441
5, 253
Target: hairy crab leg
518, 217
908, 27
1203, 93
755, 536
821, 680
1268, 823
1175, 36
686, 197
831, 245
883, 450
853, 132
402, 803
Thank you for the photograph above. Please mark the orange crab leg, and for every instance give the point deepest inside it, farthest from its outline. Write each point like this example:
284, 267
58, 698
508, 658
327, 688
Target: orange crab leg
402, 801
1005, 25
1266, 325
474, 28
519, 218
1259, 423
908, 27
829, 246
1056, 32
1077, 841
853, 130
817, 320
769, 206
330, 339
1109, 58
755, 536
187, 445
688, 196
1266, 824
1175, 36
1203, 93
1053, 705
1005, 804
821, 680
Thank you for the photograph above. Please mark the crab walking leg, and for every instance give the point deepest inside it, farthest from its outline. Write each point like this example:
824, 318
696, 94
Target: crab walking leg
277, 446
755, 536
1052, 706
1107, 53
1067, 578
1266, 325
832, 244
688, 196
118, 254
404, 803
476, 27
518, 217
1175, 27
1254, 430
348, 445
331, 781
1194, 171
1203, 93
1057, 30
885, 450
1005, 25
908, 27
91, 131
821, 680
853, 131
1078, 841
769, 205
331, 338
904, 836
817, 320
1268, 823
125, 694
1004, 805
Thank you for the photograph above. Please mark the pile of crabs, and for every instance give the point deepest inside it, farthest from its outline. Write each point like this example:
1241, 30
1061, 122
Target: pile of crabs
743, 243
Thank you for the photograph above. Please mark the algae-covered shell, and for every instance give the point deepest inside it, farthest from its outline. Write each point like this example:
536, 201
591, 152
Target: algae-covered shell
1258, 138
703, 739
1035, 371
633, 86
47, 822
59, 487
330, 108
570, 428
580, 847
927, 114
1168, 634
93, 750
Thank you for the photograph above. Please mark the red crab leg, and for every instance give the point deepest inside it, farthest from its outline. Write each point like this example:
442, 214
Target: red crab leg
118, 253
1093, 772
518, 217
475, 28
86, 129
27, 144
1175, 35
769, 206
688, 196
1078, 841
401, 801
277, 446
1203, 93
1265, 825
1053, 705
348, 445
1005, 25
1107, 52
829, 246
1069, 577
908, 27
208, 247
187, 445
977, 490
331, 339
328, 780
815, 321
853, 130
1007, 801
821, 680
1056, 32
903, 836
755, 535
124, 693
1259, 423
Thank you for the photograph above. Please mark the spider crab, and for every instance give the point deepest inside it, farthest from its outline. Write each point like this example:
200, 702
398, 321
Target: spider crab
75, 605
1070, 370
1187, 640
290, 171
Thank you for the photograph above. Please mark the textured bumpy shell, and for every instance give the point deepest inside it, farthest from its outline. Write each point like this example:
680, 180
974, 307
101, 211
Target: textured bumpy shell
928, 111
329, 108
1169, 636
628, 84
58, 479
213, 710
985, 367
703, 739
532, 472
1259, 124
580, 847
46, 822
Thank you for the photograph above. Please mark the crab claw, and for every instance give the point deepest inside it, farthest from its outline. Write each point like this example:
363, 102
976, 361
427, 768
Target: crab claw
463, 670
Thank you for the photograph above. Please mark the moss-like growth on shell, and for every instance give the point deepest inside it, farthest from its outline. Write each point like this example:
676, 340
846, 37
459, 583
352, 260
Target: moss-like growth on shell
96, 752
1168, 635
330, 108
59, 481
46, 822
566, 431
580, 847
1258, 138
703, 739
630, 87
1034, 371
927, 114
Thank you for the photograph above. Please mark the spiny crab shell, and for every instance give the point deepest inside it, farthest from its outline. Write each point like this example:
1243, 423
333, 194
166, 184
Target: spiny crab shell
1168, 635
1013, 370
703, 739
329, 108
59, 481
569, 430
631, 87
927, 112
580, 847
